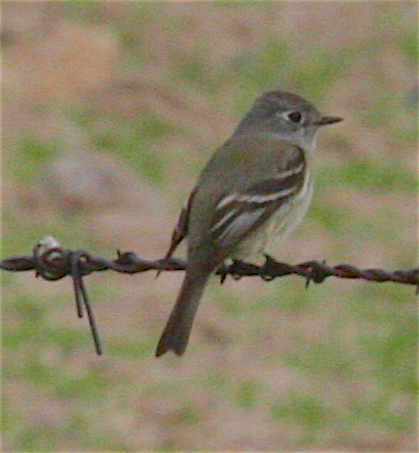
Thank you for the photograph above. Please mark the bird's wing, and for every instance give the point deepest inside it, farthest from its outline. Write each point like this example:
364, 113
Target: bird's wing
181, 229
239, 213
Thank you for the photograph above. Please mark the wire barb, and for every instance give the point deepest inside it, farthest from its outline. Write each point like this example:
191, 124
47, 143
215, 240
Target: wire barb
52, 262
76, 260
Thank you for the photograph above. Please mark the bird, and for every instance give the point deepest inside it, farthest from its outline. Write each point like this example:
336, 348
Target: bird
255, 189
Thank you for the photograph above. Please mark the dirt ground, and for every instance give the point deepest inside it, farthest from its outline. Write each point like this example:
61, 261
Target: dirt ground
109, 112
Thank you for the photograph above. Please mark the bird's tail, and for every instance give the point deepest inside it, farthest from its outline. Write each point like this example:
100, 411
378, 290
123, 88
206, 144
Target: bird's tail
176, 333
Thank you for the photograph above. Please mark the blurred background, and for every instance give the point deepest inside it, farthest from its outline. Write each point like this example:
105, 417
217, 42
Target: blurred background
110, 111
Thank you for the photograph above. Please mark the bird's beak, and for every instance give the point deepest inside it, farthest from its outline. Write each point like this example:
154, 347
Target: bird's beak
325, 120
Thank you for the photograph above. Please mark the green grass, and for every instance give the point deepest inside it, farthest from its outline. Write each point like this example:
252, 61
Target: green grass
30, 155
350, 347
390, 176
246, 394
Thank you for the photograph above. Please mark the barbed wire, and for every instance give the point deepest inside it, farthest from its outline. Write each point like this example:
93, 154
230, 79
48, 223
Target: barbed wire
52, 262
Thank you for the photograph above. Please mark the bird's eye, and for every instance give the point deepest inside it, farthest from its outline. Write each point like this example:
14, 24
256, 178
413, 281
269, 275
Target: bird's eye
294, 116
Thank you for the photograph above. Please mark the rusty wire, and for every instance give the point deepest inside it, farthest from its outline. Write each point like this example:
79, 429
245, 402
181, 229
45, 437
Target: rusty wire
52, 262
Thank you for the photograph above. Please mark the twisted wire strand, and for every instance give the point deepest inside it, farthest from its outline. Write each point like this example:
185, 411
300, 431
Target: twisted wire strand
52, 262
56, 263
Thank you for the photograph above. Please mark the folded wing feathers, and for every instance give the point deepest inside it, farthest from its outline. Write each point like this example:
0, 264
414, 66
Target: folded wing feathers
236, 213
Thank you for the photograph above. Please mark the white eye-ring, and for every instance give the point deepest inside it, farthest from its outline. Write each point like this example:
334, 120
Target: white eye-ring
294, 116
